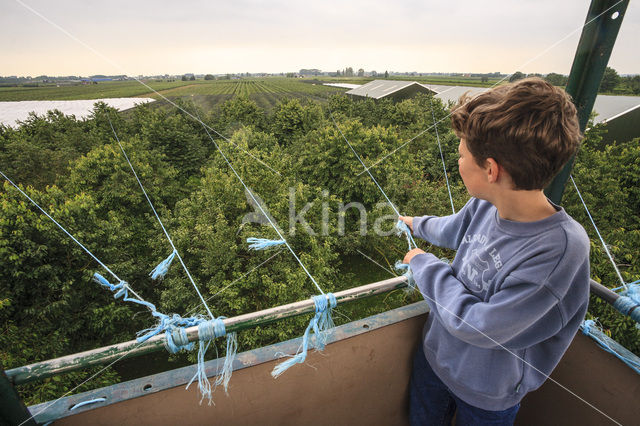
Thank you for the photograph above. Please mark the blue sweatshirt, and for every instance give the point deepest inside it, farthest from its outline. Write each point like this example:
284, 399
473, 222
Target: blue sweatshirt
507, 308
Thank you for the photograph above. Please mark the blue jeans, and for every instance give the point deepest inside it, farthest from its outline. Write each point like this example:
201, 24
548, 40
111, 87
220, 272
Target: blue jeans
432, 403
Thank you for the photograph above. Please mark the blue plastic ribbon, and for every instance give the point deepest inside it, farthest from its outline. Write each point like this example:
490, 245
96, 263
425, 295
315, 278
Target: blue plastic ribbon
161, 270
406, 271
321, 323
262, 243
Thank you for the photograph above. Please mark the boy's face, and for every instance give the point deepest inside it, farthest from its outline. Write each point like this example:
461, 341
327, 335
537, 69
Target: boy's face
473, 176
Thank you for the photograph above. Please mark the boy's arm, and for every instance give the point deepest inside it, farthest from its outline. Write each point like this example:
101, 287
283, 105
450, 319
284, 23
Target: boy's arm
445, 231
507, 319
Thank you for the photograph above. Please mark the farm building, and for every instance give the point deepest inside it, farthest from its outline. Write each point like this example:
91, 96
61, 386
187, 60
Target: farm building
453, 93
392, 89
620, 113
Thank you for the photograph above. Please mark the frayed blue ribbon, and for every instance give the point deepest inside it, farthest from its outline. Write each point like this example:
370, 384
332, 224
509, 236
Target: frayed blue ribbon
207, 331
591, 329
121, 290
406, 272
628, 300
176, 339
262, 243
402, 228
165, 322
633, 291
161, 270
321, 323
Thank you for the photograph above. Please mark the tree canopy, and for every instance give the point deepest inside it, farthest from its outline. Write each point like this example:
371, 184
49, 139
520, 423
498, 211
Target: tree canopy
74, 168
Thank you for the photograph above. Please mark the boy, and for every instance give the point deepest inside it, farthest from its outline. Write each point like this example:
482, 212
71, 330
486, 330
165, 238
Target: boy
505, 311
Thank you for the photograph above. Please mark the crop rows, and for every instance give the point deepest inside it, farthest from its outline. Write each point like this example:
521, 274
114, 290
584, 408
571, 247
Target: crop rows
265, 92
250, 87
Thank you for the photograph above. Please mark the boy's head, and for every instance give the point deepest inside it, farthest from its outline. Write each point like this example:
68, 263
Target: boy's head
530, 128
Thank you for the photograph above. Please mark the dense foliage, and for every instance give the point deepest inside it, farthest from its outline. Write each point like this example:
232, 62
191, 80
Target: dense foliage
49, 306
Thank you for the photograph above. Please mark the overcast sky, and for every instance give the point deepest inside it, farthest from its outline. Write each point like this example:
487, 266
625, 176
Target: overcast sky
204, 36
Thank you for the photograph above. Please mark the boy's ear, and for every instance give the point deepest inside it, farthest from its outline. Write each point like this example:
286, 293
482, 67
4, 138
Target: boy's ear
493, 170
496, 173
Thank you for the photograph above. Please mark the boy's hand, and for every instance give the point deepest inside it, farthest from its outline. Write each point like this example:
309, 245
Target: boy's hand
408, 220
412, 254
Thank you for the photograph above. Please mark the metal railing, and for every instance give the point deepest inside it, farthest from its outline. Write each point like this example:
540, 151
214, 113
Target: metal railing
133, 348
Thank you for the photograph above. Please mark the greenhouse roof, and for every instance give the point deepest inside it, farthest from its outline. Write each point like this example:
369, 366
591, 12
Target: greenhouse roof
378, 89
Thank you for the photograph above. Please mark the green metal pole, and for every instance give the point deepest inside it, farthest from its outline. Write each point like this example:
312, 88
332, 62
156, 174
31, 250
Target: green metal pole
12, 409
592, 56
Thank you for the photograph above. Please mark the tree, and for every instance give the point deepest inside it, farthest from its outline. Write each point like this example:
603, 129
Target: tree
610, 79
49, 306
240, 110
634, 84
177, 136
386, 74
209, 77
185, 78
288, 119
38, 152
556, 79
348, 72
192, 78
516, 76
360, 72
484, 79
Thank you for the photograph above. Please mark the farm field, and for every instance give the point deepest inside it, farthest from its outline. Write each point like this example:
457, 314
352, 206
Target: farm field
264, 92
207, 94
107, 89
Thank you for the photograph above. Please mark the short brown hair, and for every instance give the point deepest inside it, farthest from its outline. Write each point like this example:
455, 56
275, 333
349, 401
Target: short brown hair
529, 127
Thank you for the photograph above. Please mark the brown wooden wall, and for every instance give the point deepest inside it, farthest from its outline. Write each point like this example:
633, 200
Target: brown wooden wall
363, 380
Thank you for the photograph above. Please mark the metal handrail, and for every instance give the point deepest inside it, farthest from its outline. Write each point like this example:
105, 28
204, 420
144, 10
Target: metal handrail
132, 348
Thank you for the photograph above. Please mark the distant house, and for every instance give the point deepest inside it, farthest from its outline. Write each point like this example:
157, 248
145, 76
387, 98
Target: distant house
92, 80
389, 89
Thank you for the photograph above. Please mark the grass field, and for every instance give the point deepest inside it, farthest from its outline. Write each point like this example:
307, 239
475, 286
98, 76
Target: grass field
265, 92
107, 89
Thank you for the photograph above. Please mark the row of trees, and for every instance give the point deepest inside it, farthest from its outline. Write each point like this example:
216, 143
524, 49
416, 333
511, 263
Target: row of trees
616, 84
611, 82
553, 78
348, 72
49, 306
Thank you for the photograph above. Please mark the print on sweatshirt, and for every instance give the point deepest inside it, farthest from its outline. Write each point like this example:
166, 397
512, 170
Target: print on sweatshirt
480, 264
